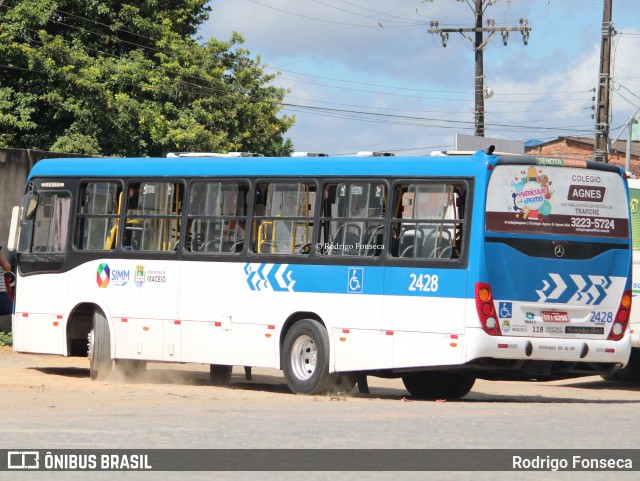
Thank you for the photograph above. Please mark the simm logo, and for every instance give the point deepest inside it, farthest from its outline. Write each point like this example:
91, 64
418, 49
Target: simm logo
120, 277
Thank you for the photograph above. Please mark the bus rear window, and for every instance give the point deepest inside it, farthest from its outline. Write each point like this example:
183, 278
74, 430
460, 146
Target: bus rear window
537, 200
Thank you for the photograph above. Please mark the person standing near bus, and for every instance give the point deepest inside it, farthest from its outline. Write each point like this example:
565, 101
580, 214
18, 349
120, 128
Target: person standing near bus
6, 304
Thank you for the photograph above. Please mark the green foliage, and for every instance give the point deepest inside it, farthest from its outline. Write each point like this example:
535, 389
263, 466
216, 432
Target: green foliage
6, 338
127, 78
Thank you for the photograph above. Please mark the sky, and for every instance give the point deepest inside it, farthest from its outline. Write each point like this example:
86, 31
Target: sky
368, 76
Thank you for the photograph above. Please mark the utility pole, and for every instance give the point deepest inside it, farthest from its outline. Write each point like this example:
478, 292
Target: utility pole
600, 146
629, 126
478, 43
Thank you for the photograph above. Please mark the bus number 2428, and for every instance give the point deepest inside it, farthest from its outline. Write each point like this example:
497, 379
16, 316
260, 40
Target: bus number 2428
423, 282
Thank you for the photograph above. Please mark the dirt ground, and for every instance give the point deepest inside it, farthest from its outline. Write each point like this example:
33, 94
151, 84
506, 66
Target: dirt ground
69, 378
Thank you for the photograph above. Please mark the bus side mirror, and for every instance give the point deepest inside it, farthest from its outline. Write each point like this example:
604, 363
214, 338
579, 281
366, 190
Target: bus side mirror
32, 205
14, 229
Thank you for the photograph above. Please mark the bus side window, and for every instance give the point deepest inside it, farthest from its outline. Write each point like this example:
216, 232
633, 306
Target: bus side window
428, 220
152, 220
98, 216
216, 217
352, 219
287, 224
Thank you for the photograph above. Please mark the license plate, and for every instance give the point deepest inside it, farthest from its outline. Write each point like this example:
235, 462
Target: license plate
554, 316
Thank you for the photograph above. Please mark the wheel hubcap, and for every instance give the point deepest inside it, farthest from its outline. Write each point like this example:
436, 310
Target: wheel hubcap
304, 356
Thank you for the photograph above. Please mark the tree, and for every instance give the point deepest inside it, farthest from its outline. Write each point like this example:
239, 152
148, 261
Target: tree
128, 78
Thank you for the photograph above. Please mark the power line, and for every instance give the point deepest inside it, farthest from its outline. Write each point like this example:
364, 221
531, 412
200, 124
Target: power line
478, 45
153, 49
377, 18
322, 19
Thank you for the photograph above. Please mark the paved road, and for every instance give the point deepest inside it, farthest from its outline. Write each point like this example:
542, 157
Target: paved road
49, 402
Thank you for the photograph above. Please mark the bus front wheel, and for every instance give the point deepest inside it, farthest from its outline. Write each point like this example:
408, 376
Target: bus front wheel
99, 347
305, 359
438, 385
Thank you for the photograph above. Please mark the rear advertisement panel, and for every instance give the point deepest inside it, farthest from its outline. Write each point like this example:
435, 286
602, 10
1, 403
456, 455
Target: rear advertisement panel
538, 199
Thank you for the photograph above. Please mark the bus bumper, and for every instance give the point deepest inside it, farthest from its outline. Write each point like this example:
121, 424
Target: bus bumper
481, 345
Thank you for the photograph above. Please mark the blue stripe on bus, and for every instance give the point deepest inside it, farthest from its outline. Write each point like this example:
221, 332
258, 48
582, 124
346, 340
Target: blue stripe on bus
545, 280
355, 280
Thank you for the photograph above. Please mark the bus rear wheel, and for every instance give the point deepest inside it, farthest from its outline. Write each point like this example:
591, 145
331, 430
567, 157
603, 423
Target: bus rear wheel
438, 385
631, 372
99, 347
220, 375
305, 360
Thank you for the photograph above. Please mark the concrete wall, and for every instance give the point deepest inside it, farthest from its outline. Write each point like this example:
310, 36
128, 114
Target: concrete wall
15, 165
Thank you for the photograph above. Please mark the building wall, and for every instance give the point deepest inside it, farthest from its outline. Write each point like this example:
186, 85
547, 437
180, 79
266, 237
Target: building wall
578, 150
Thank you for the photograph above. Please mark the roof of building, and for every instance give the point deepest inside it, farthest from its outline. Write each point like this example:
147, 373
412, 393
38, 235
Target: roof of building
619, 146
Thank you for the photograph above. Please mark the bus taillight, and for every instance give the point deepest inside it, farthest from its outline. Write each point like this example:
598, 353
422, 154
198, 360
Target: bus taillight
622, 318
486, 309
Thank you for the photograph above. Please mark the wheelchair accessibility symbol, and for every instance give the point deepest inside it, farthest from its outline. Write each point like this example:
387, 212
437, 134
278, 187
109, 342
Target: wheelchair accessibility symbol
504, 310
356, 280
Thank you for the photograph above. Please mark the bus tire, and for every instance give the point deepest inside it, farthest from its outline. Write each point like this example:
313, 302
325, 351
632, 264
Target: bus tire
631, 372
344, 382
219, 374
99, 347
305, 359
461, 386
610, 376
437, 385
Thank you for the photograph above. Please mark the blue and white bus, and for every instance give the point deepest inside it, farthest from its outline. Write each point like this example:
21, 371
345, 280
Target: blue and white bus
438, 270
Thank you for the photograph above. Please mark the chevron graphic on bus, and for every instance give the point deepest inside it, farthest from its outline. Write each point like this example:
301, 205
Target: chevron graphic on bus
588, 290
274, 277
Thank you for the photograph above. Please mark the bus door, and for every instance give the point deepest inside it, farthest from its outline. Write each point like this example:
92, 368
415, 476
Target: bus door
557, 249
42, 300
424, 306
351, 242
142, 293
212, 289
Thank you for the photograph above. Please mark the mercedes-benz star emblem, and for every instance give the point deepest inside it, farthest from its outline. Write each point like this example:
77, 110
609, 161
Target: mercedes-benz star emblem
559, 251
